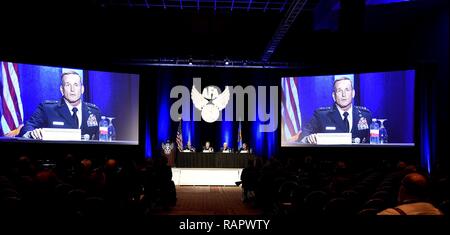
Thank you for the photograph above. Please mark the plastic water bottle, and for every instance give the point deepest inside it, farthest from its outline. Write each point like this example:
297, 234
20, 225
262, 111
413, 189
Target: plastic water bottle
103, 129
374, 132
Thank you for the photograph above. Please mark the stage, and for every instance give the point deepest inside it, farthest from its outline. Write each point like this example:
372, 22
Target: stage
213, 160
206, 176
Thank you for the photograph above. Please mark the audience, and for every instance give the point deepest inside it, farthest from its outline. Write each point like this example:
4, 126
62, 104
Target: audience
413, 198
324, 187
88, 187
85, 188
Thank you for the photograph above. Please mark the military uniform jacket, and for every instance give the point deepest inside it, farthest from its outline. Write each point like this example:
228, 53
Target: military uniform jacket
329, 120
56, 114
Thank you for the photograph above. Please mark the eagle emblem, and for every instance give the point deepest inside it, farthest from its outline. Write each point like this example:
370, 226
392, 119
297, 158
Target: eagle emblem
167, 147
210, 102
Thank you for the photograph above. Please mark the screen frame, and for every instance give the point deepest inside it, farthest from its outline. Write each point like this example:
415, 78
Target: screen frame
330, 151
108, 68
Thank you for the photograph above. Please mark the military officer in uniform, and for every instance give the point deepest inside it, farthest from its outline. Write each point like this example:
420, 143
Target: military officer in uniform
225, 148
208, 148
189, 147
342, 117
69, 112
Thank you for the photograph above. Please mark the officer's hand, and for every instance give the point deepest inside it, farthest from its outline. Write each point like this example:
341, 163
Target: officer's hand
312, 139
36, 134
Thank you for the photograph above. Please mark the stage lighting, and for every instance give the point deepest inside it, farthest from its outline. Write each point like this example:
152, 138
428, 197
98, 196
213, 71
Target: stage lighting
227, 61
190, 61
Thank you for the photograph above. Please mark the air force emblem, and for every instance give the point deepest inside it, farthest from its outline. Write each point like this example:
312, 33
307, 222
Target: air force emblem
92, 121
167, 147
362, 124
210, 102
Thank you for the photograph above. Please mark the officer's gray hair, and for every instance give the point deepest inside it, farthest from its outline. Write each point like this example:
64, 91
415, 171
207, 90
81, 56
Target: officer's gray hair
341, 79
68, 73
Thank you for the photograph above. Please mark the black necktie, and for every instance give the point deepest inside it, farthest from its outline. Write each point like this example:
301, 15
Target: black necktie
74, 116
347, 128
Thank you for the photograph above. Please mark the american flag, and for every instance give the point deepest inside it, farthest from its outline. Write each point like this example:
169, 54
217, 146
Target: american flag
11, 109
290, 108
179, 137
240, 136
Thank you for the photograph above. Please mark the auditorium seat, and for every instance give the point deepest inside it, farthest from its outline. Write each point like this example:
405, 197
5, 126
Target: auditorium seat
337, 206
314, 202
445, 207
375, 203
285, 196
368, 212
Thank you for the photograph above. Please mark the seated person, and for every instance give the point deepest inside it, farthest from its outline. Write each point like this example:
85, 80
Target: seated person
244, 148
69, 112
189, 147
225, 148
413, 197
207, 148
342, 117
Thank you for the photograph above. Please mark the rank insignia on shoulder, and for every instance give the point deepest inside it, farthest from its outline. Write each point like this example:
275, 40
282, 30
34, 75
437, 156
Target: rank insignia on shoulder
92, 105
363, 108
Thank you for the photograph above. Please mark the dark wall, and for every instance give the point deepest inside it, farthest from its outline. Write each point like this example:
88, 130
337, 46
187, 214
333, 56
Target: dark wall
430, 41
419, 36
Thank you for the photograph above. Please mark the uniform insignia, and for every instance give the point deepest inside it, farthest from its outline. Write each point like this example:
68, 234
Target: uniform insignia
50, 102
56, 123
362, 124
91, 105
362, 108
92, 121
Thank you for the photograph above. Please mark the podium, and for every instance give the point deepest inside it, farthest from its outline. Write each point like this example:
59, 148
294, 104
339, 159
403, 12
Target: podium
168, 151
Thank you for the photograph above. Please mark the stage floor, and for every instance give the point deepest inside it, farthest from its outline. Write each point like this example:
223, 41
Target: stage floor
206, 176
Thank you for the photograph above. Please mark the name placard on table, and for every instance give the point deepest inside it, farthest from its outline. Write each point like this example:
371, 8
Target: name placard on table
61, 134
334, 138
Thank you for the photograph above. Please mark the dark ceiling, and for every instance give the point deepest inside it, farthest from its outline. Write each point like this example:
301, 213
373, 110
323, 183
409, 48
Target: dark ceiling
203, 29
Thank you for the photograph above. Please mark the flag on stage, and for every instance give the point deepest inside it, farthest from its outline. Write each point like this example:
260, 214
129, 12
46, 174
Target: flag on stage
11, 109
239, 139
180, 137
290, 109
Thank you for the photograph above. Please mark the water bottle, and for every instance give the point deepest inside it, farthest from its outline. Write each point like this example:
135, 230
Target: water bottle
374, 132
103, 129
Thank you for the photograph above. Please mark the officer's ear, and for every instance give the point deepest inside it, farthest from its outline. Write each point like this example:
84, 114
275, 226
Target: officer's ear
353, 93
61, 89
82, 89
333, 94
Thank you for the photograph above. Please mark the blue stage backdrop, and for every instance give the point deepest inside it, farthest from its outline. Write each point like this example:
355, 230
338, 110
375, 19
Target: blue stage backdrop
198, 132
